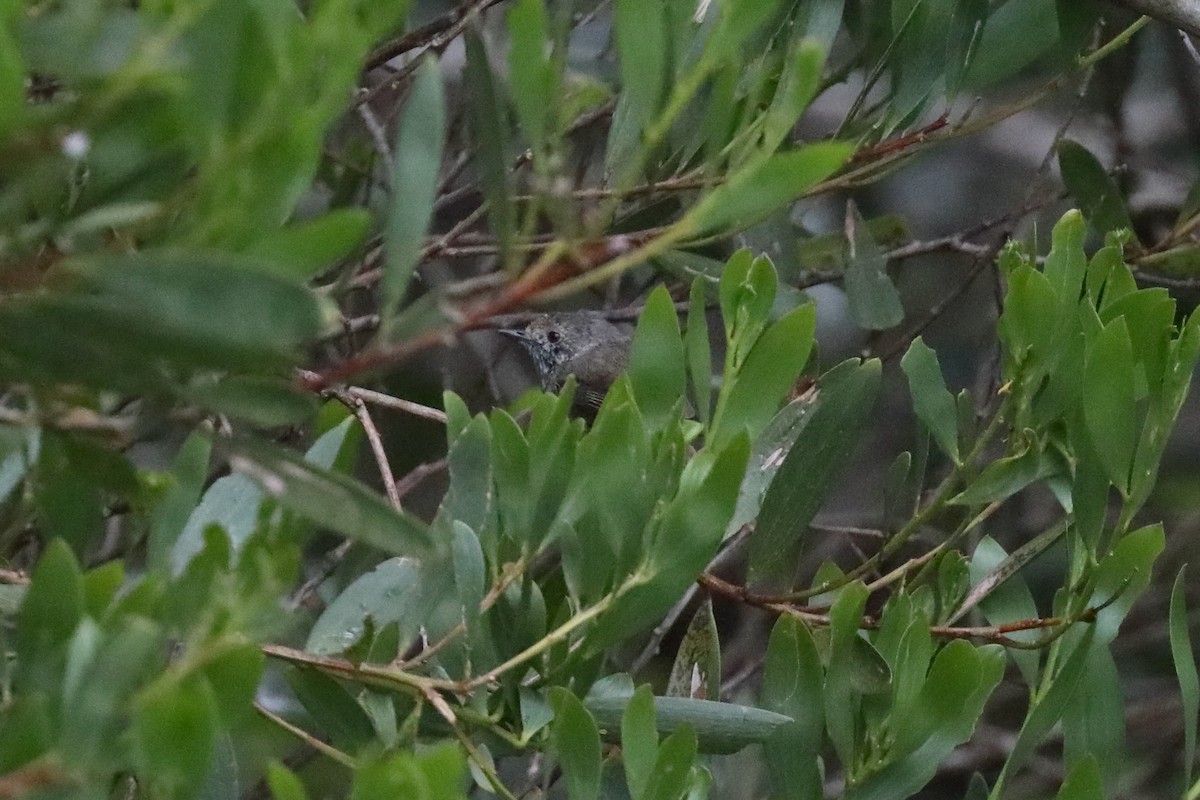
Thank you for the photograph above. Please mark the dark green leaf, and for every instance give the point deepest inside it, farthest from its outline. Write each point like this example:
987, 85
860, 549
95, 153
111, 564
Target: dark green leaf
657, 360
720, 727
874, 301
845, 401
577, 745
490, 133
333, 708
1092, 187
1083, 781
175, 729
768, 185
641, 35
530, 71
304, 250
332, 500
793, 686
53, 605
699, 355
392, 592
416, 161
170, 516
1109, 405
931, 399
770, 370
1014, 36
1185, 672
1094, 721
260, 400
797, 87
676, 754
639, 740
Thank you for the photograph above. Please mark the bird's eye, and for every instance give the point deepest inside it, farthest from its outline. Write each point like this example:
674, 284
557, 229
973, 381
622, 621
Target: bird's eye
552, 337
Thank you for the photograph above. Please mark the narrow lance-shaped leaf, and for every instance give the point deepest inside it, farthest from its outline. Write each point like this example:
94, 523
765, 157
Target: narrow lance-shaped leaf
874, 301
577, 744
699, 354
1092, 187
639, 740
416, 158
845, 401
657, 361
530, 71
931, 399
1109, 406
768, 185
1185, 672
797, 87
641, 34
489, 125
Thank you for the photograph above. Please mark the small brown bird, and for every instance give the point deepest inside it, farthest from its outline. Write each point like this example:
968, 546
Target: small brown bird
580, 343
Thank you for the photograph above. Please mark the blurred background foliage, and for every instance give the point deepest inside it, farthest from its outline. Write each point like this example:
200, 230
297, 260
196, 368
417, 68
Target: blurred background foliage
887, 474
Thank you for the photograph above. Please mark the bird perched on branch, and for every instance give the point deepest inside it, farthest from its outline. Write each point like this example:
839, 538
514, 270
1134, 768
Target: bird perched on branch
579, 343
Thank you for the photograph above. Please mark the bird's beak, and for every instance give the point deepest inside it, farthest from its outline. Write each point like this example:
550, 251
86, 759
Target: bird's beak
514, 333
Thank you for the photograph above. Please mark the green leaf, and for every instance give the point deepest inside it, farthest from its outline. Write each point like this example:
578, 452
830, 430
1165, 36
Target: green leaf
699, 355
641, 35
1049, 706
336, 712
1009, 601
331, 500
1094, 721
303, 250
842, 698
639, 740
1123, 575
793, 685
931, 399
1185, 671
720, 727
673, 766
1066, 263
53, 605
393, 592
874, 301
1006, 476
770, 370
260, 400
577, 744
175, 729
828, 436
169, 519
416, 161
531, 72
283, 783
657, 360
685, 537
1083, 781
765, 186
797, 86
1015, 35
436, 773
697, 668
490, 134
1092, 187
1109, 405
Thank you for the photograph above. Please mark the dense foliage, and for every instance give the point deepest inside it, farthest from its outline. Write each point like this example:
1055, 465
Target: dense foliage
219, 221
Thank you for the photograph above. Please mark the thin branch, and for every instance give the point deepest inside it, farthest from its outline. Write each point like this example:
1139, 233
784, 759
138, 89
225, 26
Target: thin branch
312, 741
377, 449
